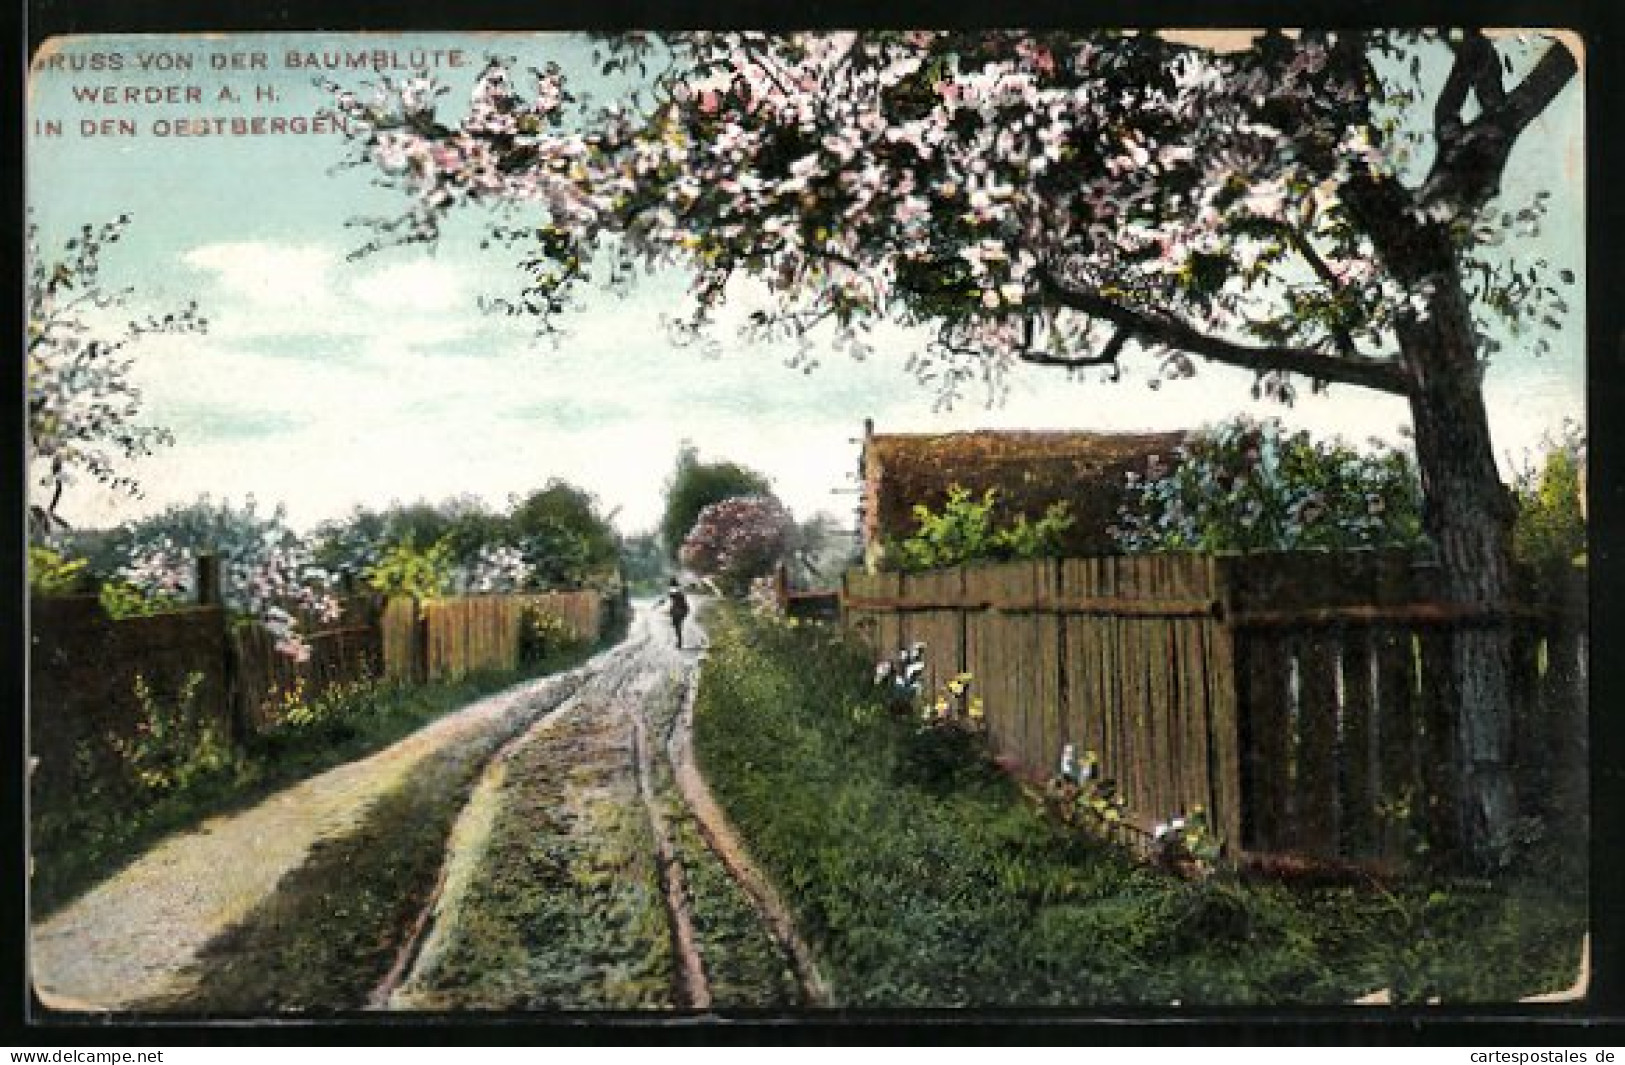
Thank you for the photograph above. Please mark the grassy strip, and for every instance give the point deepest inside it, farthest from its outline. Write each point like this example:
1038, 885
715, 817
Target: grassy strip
78, 845
568, 911
744, 966
924, 879
329, 932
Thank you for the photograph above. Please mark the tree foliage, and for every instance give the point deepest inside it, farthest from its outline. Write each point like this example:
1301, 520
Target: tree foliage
267, 570
405, 569
52, 573
737, 539
695, 485
560, 532
84, 411
644, 563
552, 537
1049, 197
1248, 485
819, 549
1550, 531
965, 532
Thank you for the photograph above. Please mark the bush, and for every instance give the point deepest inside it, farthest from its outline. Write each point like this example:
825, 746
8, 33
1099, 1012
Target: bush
964, 532
120, 599
51, 573
542, 635
1550, 530
173, 744
336, 712
1248, 485
406, 570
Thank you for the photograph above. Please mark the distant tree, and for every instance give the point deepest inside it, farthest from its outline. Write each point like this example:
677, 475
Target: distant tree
737, 539
561, 533
83, 410
819, 549
1249, 485
348, 547
552, 537
268, 572
695, 485
644, 563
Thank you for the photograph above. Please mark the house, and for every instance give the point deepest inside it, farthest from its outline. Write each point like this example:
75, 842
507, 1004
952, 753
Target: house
1029, 468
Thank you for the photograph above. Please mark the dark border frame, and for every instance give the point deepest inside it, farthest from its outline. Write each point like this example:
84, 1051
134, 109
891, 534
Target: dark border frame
1599, 1021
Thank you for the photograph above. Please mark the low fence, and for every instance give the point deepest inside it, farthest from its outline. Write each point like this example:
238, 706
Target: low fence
1304, 700
445, 639
83, 665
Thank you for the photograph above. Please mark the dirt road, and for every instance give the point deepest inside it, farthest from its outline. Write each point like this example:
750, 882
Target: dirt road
583, 872
591, 869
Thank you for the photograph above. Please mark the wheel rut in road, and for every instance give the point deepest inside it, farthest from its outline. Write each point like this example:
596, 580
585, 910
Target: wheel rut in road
584, 875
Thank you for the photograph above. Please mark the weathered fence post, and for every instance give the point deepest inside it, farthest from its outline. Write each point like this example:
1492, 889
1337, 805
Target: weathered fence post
1229, 727
209, 591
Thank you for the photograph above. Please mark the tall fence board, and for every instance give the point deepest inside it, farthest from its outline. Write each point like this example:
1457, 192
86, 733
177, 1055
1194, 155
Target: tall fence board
1304, 700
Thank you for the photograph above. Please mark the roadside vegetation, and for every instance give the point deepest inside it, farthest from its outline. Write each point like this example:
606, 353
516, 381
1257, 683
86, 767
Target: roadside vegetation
924, 877
174, 779
567, 912
744, 966
329, 932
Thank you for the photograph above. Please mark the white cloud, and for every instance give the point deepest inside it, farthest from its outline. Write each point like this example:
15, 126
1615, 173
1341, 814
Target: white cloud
269, 276
419, 287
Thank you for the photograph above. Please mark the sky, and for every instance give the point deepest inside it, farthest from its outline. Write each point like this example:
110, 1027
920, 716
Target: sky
326, 382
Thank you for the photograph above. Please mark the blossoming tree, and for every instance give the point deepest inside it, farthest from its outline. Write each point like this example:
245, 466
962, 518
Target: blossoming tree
269, 572
1071, 201
737, 539
83, 409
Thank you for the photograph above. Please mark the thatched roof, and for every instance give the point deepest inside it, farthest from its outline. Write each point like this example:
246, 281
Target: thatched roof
1030, 470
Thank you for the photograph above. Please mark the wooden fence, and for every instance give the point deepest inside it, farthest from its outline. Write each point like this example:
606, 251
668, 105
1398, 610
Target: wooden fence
1302, 699
83, 668
259, 675
444, 639
83, 665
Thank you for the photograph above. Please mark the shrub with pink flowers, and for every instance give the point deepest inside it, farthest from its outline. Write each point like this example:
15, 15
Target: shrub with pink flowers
737, 539
267, 572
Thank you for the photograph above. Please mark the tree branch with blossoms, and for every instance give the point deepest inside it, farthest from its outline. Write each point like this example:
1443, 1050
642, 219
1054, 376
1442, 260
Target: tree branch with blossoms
83, 408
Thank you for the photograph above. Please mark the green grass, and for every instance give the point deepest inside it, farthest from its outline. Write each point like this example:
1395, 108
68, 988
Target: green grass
79, 841
743, 965
567, 911
924, 878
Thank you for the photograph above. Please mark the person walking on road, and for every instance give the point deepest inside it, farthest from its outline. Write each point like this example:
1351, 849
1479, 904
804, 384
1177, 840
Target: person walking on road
677, 605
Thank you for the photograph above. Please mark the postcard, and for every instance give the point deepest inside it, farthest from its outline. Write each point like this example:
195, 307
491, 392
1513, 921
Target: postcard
750, 524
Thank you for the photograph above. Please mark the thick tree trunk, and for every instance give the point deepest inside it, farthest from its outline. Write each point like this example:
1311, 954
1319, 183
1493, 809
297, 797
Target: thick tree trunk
1469, 513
